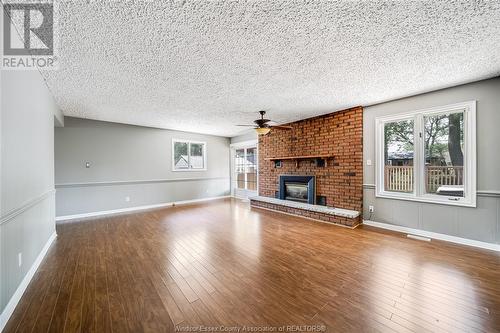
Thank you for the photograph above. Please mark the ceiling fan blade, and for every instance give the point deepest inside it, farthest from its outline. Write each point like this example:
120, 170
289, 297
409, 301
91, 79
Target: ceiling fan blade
246, 125
281, 127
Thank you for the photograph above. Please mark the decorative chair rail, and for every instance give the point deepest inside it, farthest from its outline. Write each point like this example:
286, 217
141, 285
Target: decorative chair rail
401, 178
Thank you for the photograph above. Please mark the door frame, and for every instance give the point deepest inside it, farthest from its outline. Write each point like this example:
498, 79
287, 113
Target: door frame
240, 193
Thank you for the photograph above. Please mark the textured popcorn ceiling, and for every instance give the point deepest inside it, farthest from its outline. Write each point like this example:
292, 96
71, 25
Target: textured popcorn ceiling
205, 66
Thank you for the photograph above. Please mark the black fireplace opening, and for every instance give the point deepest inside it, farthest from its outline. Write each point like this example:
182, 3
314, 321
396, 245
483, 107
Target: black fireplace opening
297, 188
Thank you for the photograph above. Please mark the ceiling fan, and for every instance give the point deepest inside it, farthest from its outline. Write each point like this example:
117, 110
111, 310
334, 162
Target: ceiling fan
262, 127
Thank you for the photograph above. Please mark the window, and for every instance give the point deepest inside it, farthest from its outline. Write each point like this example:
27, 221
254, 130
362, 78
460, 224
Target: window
188, 155
428, 155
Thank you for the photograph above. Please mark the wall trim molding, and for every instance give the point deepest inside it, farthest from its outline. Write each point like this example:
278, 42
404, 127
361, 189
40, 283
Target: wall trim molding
131, 182
479, 193
134, 209
11, 305
25, 206
434, 235
494, 194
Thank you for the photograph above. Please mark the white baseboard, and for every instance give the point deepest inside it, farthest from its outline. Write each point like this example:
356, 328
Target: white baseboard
434, 235
134, 209
10, 307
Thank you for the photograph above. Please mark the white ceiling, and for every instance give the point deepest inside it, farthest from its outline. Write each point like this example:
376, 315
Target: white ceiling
204, 66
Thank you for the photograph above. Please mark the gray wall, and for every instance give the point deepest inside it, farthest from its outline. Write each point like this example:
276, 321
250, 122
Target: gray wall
481, 223
130, 161
247, 136
27, 175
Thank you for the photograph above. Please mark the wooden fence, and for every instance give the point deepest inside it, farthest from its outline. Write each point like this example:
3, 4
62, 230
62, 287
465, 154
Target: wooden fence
401, 178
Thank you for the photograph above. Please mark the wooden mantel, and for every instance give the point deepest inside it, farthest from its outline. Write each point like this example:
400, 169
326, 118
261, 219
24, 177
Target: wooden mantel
324, 157
304, 157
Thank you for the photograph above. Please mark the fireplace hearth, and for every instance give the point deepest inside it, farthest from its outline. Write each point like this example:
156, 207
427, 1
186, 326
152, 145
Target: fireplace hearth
297, 188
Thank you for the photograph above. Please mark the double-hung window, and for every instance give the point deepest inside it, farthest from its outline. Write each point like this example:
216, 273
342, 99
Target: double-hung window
428, 155
188, 155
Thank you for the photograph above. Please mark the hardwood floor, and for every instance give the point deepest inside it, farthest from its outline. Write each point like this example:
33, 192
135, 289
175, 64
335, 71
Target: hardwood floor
222, 264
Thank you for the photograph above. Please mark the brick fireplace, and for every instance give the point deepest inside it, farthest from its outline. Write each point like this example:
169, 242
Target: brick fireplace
328, 148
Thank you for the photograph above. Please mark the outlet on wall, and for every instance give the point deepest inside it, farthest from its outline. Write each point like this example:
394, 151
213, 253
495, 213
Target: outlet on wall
371, 209
127, 199
20, 259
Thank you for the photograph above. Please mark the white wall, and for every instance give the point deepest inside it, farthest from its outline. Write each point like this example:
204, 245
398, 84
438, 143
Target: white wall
481, 223
130, 161
26, 176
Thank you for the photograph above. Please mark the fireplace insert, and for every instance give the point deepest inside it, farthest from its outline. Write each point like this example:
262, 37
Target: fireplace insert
296, 191
297, 188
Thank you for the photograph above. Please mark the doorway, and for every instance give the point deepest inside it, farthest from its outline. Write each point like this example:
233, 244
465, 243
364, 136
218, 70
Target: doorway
244, 174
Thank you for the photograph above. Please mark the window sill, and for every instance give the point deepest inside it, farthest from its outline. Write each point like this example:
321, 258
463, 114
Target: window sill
188, 170
426, 199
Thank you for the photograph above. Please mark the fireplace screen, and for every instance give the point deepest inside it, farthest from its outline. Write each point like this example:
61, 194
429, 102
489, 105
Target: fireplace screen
296, 191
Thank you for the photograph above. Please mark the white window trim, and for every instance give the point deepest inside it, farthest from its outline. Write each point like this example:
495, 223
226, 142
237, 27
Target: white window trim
189, 169
419, 194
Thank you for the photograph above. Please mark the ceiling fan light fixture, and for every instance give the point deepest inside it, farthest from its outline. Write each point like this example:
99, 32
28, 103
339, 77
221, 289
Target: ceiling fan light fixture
262, 130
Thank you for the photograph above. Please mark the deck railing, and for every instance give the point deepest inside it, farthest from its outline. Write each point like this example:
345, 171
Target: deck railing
436, 176
401, 178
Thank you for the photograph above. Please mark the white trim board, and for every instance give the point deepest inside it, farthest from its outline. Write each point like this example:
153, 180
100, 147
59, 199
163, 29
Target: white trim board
11, 306
143, 181
434, 235
134, 209
25, 206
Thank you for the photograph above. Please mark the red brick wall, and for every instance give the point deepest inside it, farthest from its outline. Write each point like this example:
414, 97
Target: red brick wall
339, 134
